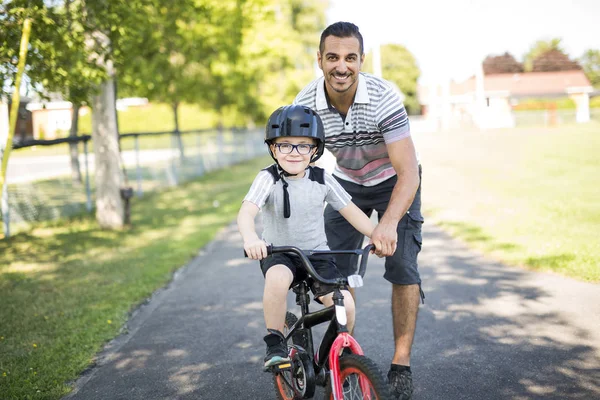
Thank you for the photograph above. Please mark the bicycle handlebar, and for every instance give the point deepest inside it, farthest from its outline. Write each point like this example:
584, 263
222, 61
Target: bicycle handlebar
303, 254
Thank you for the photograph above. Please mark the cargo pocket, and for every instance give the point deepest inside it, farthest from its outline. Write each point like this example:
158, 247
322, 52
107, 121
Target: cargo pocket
415, 218
413, 239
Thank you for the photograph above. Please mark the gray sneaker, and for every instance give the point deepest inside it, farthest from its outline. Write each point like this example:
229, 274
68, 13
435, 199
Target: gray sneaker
401, 384
277, 352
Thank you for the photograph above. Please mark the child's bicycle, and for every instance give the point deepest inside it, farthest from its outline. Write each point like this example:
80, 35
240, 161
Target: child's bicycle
339, 364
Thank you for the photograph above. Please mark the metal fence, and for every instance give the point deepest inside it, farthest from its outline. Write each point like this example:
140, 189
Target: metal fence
550, 118
40, 188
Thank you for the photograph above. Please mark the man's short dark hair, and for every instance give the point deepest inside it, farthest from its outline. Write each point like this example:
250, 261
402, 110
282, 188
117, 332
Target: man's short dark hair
341, 30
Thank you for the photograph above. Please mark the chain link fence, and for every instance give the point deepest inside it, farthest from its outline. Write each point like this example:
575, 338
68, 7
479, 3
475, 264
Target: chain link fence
40, 188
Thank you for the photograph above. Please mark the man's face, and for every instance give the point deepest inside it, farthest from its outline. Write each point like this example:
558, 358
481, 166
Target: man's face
340, 62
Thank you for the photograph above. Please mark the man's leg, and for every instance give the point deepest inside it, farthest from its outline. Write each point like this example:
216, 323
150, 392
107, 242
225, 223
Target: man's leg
402, 272
405, 307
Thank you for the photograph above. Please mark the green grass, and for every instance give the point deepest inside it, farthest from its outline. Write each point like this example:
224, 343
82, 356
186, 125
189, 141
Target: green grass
526, 196
149, 118
156, 117
68, 287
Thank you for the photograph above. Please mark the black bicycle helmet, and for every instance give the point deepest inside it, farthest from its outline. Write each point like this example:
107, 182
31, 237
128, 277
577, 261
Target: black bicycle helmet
296, 121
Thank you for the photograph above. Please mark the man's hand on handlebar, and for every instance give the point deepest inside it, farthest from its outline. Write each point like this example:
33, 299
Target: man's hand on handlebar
385, 239
256, 249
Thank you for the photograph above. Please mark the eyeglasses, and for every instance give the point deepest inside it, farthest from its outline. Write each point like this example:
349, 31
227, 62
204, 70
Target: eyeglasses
287, 148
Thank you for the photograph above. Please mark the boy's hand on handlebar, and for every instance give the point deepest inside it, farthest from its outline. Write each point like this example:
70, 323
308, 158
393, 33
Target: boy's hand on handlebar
385, 239
256, 249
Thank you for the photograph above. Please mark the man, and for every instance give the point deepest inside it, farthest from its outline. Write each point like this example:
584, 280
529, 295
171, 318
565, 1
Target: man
367, 130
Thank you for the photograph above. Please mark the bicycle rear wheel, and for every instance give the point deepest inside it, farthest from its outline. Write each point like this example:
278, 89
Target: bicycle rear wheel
354, 369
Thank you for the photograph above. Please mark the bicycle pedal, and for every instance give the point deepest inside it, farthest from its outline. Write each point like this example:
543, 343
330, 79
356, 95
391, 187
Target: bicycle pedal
282, 367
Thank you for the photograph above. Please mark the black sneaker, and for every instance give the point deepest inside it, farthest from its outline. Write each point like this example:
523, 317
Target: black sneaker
277, 351
401, 384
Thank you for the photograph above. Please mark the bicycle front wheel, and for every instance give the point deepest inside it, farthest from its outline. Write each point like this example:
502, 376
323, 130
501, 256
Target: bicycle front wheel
361, 379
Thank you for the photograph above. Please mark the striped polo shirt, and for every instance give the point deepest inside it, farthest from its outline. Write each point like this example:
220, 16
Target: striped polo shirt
358, 141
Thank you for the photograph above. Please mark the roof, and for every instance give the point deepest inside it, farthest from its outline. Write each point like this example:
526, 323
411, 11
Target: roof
529, 83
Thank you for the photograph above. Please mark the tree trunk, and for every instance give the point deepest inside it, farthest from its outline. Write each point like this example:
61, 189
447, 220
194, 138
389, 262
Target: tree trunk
74, 147
175, 106
110, 206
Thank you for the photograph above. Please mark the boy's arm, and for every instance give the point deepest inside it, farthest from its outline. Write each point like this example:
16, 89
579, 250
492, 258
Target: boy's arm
358, 219
255, 248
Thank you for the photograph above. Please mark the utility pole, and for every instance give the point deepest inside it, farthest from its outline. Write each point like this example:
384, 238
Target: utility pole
6, 145
377, 60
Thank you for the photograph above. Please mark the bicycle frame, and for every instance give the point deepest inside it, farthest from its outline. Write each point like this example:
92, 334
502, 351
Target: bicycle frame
336, 337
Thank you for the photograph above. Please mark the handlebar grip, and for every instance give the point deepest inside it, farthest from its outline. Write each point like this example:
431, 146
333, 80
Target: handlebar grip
364, 258
269, 250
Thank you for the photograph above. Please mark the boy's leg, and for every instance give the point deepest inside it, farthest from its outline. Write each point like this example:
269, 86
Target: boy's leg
277, 283
327, 301
278, 278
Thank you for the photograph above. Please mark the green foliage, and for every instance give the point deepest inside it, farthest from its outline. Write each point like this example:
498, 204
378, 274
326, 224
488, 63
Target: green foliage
595, 102
399, 66
58, 60
537, 49
241, 58
279, 50
590, 61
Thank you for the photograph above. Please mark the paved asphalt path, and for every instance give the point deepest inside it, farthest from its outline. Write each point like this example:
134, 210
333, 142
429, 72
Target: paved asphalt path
486, 331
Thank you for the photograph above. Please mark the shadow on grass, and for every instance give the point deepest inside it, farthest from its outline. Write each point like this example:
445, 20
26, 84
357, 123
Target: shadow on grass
474, 234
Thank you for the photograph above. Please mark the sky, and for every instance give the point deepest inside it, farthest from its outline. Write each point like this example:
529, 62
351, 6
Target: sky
450, 38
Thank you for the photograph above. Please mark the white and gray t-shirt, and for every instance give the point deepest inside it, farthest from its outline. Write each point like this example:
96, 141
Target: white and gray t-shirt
305, 228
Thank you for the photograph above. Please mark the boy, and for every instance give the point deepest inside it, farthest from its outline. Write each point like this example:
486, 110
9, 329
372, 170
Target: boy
292, 195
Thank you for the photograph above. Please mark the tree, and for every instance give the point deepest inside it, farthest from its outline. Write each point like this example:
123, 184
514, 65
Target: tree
58, 61
110, 28
554, 60
539, 48
399, 66
279, 51
242, 58
590, 61
502, 64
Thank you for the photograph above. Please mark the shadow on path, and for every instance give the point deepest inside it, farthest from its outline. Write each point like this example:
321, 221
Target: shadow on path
486, 331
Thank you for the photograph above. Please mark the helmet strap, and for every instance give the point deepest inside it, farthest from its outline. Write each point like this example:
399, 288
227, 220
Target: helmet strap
286, 199
286, 195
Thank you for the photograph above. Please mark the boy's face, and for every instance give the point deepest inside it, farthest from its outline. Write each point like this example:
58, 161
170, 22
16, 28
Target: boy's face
293, 163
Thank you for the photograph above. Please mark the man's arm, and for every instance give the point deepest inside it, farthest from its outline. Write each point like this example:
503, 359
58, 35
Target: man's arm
255, 248
404, 160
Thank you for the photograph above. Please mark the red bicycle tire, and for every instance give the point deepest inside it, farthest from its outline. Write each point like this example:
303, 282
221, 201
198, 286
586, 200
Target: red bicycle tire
363, 367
